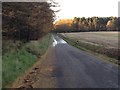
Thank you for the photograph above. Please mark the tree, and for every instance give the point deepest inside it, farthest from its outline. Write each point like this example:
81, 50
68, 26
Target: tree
27, 20
91, 24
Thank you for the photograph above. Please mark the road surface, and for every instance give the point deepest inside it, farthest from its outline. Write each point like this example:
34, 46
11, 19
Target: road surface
77, 69
64, 66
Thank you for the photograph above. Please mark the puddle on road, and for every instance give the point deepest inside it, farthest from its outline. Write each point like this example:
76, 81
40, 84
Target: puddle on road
54, 41
60, 41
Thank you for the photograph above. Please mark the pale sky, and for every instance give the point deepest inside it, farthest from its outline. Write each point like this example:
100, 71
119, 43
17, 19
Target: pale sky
87, 8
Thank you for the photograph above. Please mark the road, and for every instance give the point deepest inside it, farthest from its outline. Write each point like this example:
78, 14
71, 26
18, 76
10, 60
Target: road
77, 69
64, 66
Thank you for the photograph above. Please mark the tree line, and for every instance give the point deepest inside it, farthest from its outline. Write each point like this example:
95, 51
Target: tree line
27, 20
88, 24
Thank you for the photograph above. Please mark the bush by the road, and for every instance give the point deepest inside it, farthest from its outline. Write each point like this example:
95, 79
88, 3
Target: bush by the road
17, 60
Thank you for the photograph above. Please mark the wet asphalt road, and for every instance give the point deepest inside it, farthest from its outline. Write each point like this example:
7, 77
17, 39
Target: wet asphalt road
77, 69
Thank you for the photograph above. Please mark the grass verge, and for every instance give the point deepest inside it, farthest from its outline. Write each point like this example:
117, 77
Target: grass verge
100, 51
16, 61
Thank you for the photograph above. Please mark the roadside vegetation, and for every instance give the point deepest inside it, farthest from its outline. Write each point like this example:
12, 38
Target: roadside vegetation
17, 60
25, 28
112, 53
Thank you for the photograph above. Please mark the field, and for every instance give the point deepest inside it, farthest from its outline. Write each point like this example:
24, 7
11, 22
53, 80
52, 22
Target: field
100, 42
107, 39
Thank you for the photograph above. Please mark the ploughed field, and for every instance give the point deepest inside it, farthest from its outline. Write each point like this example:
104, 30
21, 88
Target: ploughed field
107, 39
100, 42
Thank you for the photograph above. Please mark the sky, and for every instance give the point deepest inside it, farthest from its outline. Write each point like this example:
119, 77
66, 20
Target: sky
87, 8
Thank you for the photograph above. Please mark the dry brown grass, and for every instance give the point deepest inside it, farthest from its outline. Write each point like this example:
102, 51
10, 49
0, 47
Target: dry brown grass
107, 39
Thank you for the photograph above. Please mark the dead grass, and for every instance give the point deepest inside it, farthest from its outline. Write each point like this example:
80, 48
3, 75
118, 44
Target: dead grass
107, 39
